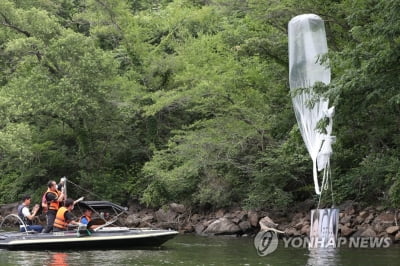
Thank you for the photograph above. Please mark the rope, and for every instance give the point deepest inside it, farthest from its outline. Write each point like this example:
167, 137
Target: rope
326, 181
87, 191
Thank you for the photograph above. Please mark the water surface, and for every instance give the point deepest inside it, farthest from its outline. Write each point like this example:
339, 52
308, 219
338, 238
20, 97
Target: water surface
197, 250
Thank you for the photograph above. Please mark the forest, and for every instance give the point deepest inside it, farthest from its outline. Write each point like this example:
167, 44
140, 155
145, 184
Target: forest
188, 101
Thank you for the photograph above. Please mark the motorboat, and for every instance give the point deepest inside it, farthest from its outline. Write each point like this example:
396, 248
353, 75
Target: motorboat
107, 235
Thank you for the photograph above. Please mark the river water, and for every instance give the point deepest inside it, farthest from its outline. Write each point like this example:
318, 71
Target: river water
196, 250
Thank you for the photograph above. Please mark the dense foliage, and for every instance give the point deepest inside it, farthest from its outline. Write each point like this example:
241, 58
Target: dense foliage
188, 100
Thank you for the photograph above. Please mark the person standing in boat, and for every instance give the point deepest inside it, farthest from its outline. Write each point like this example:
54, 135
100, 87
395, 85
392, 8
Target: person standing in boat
64, 216
53, 198
27, 216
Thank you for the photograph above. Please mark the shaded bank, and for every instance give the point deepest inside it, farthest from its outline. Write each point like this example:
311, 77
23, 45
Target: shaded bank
354, 220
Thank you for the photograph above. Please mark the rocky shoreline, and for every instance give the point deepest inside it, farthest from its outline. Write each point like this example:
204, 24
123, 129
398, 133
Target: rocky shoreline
354, 220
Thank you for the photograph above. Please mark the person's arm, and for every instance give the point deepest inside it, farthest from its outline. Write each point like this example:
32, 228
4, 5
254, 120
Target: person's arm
27, 214
51, 197
69, 218
61, 197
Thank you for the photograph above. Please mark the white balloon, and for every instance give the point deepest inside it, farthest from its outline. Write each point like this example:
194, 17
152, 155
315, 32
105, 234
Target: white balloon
307, 44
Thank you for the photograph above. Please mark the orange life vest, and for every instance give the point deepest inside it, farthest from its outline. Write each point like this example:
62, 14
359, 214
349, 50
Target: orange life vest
60, 221
87, 218
54, 205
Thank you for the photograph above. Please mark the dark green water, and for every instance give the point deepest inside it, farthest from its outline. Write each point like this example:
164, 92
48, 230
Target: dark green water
195, 250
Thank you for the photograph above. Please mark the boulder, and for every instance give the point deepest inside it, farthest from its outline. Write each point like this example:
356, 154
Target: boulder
305, 230
245, 226
346, 231
253, 218
165, 216
195, 218
346, 219
178, 208
397, 237
222, 226
369, 218
187, 228
199, 228
385, 218
349, 207
6, 209
290, 231
220, 213
132, 220
369, 232
241, 215
266, 223
392, 229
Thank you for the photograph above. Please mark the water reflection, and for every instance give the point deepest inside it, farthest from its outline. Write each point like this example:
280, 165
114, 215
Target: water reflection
194, 250
58, 259
323, 257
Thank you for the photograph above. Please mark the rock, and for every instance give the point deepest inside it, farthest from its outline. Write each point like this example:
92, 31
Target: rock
266, 223
6, 209
392, 229
222, 226
346, 231
382, 235
380, 208
397, 237
245, 226
299, 226
369, 218
379, 227
195, 218
220, 213
241, 215
168, 225
305, 230
290, 231
363, 214
132, 220
297, 217
385, 218
253, 218
207, 223
134, 206
235, 220
165, 216
178, 208
346, 219
359, 219
188, 228
348, 207
199, 228
368, 233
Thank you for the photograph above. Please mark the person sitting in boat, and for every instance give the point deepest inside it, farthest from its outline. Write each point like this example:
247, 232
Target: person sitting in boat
64, 217
87, 219
27, 217
53, 197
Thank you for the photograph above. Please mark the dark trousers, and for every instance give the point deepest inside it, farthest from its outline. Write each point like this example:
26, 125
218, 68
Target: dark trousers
51, 216
36, 227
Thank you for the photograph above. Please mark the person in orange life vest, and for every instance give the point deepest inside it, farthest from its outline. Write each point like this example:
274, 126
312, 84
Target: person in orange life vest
27, 216
87, 219
54, 197
64, 216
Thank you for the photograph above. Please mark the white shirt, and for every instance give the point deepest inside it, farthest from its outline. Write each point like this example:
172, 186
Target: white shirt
25, 212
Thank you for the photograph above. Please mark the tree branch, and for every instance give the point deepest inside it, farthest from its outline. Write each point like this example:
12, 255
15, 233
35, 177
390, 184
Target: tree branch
8, 24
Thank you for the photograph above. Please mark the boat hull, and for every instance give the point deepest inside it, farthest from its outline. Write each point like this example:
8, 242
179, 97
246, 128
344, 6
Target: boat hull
106, 239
